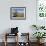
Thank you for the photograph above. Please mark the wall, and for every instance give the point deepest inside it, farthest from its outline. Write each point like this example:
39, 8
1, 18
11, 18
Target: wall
24, 25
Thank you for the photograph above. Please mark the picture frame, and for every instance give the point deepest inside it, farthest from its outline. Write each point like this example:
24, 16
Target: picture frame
41, 12
18, 13
41, 9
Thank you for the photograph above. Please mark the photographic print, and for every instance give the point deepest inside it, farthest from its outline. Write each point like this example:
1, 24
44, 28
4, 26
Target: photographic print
17, 13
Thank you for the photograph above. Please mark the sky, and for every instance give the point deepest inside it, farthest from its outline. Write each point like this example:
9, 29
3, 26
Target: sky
19, 10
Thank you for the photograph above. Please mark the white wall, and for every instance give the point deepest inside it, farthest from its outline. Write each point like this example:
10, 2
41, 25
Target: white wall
24, 25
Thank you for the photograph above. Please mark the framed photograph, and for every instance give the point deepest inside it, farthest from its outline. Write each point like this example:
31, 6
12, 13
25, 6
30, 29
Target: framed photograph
41, 12
18, 13
41, 8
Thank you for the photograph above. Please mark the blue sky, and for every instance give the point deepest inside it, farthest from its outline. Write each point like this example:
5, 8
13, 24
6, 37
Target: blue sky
19, 10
